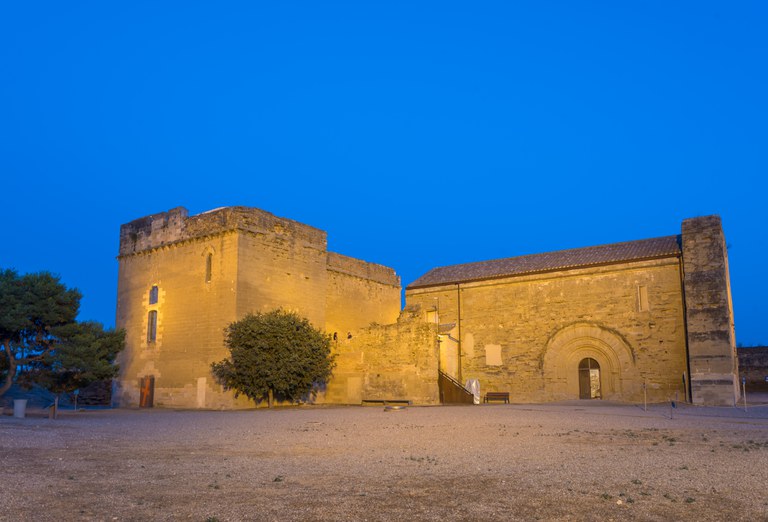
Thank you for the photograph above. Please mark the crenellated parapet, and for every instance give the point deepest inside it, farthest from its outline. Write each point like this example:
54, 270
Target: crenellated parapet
152, 231
176, 225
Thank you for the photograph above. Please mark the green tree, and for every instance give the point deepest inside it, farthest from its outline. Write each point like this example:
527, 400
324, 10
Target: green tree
40, 340
85, 352
274, 354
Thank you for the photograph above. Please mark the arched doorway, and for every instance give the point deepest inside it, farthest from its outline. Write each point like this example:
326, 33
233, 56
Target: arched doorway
566, 350
589, 379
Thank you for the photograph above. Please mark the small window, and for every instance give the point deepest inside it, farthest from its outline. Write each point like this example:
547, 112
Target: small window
153, 295
208, 267
152, 326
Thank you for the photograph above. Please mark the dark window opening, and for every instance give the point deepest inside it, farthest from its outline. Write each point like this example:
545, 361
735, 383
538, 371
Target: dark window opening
153, 292
152, 326
208, 267
589, 379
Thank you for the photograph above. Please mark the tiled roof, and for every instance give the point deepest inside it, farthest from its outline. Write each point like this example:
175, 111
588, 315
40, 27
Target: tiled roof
562, 260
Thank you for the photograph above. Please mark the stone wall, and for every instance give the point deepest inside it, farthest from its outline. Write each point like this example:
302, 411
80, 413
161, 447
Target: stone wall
396, 361
753, 366
216, 267
528, 334
639, 326
191, 315
359, 294
152, 231
279, 270
711, 339
175, 225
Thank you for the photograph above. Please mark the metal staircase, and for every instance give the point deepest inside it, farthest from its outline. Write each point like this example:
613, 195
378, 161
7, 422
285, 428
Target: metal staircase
452, 391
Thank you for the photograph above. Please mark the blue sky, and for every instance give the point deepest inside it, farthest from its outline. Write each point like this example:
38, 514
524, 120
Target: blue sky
418, 134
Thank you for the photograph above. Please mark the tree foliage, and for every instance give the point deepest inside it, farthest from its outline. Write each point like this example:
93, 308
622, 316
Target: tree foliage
84, 353
40, 341
277, 354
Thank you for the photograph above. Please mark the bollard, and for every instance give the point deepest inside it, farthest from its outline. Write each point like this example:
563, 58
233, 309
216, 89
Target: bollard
645, 396
19, 408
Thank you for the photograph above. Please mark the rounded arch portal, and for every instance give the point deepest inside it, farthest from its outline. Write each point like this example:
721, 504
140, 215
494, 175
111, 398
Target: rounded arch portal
604, 350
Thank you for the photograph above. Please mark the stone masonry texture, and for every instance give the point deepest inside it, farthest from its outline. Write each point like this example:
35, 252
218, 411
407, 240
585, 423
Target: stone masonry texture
258, 262
645, 320
711, 340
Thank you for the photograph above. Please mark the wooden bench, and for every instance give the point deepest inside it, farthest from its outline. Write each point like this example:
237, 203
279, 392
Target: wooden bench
497, 396
387, 402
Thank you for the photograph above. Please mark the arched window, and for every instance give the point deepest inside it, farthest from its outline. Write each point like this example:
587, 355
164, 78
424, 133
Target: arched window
208, 267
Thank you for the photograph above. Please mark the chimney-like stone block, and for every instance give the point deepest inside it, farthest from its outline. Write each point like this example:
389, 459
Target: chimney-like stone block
709, 313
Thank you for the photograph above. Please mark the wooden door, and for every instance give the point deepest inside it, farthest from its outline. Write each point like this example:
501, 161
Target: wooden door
589, 379
147, 391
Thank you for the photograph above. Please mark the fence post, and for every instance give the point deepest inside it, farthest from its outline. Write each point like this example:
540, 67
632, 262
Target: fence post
744, 390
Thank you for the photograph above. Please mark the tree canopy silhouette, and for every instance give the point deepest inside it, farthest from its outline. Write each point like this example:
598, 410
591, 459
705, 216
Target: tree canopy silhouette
40, 341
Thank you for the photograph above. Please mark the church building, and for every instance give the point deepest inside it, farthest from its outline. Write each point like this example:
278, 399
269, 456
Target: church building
628, 321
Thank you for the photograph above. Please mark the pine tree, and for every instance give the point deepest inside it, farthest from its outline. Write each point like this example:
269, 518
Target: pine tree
40, 341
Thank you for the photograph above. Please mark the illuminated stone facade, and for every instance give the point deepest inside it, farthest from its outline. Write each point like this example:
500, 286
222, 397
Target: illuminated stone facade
625, 321
211, 269
644, 319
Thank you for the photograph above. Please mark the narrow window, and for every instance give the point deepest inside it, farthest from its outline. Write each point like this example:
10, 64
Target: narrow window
642, 298
208, 267
153, 295
152, 326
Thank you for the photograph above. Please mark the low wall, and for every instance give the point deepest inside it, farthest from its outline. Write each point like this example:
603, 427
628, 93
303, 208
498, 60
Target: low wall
396, 361
753, 365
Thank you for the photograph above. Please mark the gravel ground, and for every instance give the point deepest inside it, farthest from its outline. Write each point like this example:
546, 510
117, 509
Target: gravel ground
566, 461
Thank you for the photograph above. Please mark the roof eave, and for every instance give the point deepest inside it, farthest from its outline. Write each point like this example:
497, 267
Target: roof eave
543, 271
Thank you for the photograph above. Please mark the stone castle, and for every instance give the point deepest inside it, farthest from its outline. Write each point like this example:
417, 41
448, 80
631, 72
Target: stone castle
628, 321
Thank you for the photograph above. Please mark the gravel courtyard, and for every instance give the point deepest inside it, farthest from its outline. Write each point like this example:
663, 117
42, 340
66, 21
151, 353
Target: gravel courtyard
565, 461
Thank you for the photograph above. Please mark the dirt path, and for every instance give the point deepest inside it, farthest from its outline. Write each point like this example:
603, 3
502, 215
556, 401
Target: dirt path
546, 462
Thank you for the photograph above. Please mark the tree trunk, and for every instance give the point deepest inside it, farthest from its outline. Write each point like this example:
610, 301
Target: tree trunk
270, 398
11, 368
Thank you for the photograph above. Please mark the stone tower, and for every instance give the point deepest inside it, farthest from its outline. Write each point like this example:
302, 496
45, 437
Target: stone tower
709, 313
182, 279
